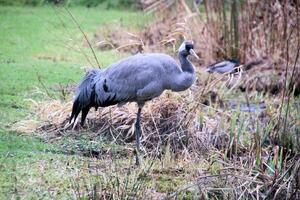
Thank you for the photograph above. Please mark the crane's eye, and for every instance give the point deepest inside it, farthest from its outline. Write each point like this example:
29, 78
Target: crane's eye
189, 46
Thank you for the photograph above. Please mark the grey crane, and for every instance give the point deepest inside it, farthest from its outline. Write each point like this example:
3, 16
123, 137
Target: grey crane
229, 67
226, 66
138, 78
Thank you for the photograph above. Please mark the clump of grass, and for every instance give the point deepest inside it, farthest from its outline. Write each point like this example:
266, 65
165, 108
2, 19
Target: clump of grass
163, 122
116, 183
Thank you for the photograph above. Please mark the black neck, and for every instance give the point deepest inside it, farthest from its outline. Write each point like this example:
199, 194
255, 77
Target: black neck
186, 66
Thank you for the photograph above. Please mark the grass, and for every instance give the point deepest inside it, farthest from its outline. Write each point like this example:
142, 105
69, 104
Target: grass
32, 169
33, 46
33, 43
232, 155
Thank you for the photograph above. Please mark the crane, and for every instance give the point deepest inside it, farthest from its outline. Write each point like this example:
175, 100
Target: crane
229, 67
138, 78
226, 66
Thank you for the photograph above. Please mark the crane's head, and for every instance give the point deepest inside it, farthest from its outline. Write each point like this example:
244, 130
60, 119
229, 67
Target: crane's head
187, 48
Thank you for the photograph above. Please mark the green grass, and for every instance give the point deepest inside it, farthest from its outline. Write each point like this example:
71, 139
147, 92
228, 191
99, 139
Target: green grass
33, 44
12, 145
30, 171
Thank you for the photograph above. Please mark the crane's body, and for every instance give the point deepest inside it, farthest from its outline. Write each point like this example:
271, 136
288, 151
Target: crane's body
143, 77
138, 78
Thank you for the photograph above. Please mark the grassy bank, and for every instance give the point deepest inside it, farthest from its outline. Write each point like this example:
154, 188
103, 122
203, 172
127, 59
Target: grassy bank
214, 141
41, 49
44, 43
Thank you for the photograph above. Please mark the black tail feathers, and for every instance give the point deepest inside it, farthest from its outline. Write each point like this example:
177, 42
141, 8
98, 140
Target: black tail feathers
75, 110
85, 97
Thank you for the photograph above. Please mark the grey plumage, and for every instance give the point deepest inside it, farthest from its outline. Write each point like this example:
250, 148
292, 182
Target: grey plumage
226, 66
138, 78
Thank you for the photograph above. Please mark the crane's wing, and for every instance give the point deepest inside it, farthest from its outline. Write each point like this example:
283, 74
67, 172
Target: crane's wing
123, 80
111, 91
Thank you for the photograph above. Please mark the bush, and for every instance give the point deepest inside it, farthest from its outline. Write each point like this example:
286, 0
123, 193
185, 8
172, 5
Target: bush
88, 3
107, 3
121, 3
21, 2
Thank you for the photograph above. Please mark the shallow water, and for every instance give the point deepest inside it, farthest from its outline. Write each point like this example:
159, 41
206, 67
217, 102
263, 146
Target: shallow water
248, 107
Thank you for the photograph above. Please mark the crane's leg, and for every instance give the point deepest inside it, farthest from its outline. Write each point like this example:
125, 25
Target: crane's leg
138, 135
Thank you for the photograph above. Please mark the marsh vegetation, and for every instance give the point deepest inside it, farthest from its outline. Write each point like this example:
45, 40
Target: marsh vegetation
237, 139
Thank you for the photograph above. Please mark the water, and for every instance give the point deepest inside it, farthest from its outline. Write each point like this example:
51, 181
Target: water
248, 107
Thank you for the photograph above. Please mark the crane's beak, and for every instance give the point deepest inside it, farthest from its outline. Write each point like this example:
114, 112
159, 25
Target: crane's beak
193, 53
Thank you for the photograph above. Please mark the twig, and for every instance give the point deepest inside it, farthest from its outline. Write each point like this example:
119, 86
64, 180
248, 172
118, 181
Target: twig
290, 92
285, 81
270, 191
85, 36
42, 84
70, 35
